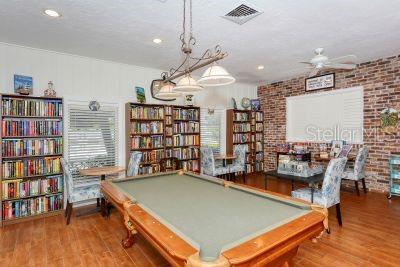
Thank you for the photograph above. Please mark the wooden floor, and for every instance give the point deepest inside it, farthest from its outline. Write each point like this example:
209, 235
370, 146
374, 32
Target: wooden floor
370, 236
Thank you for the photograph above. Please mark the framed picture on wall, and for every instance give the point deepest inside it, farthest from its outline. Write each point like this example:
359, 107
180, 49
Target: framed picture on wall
320, 82
23, 84
140, 95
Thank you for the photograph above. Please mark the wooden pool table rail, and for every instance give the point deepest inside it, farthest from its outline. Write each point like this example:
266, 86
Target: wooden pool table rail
273, 248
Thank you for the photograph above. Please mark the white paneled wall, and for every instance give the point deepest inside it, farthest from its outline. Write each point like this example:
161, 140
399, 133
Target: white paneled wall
82, 78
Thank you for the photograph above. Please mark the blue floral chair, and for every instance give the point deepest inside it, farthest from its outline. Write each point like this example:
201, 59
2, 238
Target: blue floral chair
79, 188
208, 165
134, 163
358, 172
239, 163
329, 194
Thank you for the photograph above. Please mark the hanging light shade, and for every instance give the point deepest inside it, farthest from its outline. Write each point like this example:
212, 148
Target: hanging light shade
187, 84
215, 76
167, 92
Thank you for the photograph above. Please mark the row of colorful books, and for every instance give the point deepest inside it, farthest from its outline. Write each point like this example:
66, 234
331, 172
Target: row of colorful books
140, 112
259, 136
31, 127
149, 169
187, 153
154, 127
259, 156
152, 156
156, 141
241, 137
31, 167
32, 206
186, 114
186, 127
186, 140
240, 116
19, 188
259, 116
31, 147
259, 127
241, 127
259, 166
32, 107
191, 165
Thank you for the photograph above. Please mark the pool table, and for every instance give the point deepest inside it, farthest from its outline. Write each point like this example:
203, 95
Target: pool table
198, 220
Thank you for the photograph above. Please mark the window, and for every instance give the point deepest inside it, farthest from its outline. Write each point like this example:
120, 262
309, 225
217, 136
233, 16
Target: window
327, 116
93, 135
210, 128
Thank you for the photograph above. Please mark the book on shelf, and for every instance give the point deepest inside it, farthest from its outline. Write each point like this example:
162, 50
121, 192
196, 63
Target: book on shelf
186, 114
186, 127
153, 127
32, 206
31, 167
31, 147
19, 188
152, 156
31, 107
147, 112
186, 140
12, 127
187, 153
147, 142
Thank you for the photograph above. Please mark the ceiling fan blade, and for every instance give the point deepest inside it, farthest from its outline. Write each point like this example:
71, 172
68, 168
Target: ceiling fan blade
341, 66
306, 62
313, 72
344, 59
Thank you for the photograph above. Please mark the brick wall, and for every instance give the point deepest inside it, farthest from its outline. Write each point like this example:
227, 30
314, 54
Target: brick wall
381, 82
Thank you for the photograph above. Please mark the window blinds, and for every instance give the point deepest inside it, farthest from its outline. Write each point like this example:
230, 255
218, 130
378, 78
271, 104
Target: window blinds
210, 129
327, 116
93, 135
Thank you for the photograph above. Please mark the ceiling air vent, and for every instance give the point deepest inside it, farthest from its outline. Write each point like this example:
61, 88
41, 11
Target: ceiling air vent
242, 13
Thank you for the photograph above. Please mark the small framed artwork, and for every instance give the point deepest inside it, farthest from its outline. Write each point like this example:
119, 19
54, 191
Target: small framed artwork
23, 84
189, 100
320, 82
140, 95
255, 104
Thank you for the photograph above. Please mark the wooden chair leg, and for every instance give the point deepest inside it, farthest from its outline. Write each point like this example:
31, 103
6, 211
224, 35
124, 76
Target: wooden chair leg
66, 209
244, 177
98, 202
69, 207
338, 214
363, 184
357, 189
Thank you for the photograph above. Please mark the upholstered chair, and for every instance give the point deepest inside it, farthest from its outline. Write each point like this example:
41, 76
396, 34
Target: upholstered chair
329, 194
134, 163
358, 172
208, 166
239, 163
78, 188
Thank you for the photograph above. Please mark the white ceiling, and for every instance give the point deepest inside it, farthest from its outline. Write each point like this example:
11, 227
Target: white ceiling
287, 32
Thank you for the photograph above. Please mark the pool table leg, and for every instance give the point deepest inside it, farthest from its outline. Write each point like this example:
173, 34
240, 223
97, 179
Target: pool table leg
129, 240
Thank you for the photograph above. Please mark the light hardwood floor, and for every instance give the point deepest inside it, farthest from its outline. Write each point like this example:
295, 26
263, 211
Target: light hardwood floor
370, 236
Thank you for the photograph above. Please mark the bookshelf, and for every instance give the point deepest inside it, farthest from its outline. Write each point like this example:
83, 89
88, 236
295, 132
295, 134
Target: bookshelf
32, 144
163, 131
246, 127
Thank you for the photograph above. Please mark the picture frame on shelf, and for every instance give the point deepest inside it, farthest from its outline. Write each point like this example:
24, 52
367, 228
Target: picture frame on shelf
189, 100
23, 84
255, 104
140, 95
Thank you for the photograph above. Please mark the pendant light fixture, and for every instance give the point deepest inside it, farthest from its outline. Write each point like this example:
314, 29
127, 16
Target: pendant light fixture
187, 84
167, 92
215, 76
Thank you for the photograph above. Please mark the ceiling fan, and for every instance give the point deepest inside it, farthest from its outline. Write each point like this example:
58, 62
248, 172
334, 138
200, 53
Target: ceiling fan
321, 62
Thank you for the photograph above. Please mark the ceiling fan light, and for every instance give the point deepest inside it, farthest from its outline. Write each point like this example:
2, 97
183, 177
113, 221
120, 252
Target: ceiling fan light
187, 84
167, 92
216, 76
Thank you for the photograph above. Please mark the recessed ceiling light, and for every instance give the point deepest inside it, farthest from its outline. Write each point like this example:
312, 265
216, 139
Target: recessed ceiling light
157, 40
52, 13
261, 67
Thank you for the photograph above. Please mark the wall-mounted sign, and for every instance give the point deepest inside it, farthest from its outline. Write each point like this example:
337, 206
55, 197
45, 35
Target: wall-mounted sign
320, 82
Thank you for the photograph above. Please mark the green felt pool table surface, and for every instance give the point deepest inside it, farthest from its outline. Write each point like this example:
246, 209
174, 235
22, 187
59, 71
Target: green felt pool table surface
207, 214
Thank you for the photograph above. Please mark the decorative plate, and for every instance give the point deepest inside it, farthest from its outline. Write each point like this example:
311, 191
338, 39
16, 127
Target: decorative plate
94, 105
246, 102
